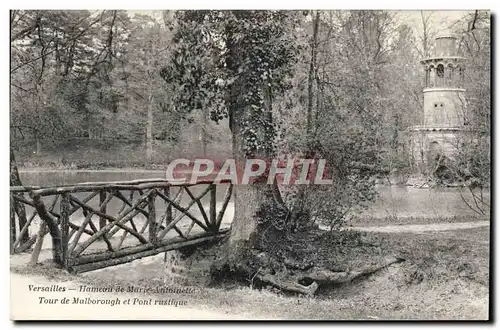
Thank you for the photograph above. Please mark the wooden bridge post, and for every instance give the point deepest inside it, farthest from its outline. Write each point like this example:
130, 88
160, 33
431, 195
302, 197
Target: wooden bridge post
64, 207
213, 204
153, 226
102, 199
20, 210
12, 225
168, 217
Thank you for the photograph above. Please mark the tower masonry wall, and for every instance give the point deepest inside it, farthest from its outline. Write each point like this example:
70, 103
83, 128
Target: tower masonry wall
446, 46
444, 107
426, 144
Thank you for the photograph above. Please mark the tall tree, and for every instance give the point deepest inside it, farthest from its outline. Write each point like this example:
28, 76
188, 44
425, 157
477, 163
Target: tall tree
148, 50
235, 63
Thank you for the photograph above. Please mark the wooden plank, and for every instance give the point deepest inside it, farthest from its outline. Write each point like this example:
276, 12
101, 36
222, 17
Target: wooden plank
100, 183
103, 202
123, 217
176, 220
227, 198
168, 210
53, 227
146, 223
25, 228
22, 200
213, 201
20, 209
191, 225
33, 215
22, 189
146, 214
85, 201
72, 232
108, 183
27, 244
107, 259
128, 202
103, 231
125, 203
168, 216
184, 212
200, 206
120, 186
102, 199
12, 225
138, 207
131, 257
42, 231
106, 240
153, 231
80, 231
124, 199
64, 211
51, 212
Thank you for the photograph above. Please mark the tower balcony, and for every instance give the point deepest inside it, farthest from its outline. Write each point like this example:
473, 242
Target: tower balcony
444, 89
444, 72
428, 128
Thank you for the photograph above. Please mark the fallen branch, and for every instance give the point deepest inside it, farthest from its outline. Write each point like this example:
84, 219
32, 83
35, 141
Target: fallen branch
319, 276
289, 285
324, 276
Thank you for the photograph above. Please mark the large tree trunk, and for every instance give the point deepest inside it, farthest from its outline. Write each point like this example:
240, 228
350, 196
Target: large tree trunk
251, 198
257, 210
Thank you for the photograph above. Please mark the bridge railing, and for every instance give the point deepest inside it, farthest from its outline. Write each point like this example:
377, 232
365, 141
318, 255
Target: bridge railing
100, 224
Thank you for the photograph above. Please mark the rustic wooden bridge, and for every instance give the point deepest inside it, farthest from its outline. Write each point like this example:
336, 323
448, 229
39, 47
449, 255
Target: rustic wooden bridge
136, 219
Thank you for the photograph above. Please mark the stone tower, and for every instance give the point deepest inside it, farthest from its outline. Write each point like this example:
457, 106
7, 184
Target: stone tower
444, 113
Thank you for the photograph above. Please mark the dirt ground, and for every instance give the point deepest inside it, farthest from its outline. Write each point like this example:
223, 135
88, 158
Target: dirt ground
445, 276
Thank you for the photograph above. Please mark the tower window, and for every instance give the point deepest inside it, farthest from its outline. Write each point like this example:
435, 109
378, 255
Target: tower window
432, 76
440, 75
460, 77
440, 71
449, 75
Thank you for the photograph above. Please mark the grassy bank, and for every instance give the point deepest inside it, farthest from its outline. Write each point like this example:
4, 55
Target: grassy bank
445, 275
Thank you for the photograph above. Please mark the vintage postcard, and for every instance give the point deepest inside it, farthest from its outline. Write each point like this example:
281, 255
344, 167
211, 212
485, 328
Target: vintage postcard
250, 165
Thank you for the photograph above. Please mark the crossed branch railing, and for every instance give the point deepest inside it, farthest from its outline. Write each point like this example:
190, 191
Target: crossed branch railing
78, 244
